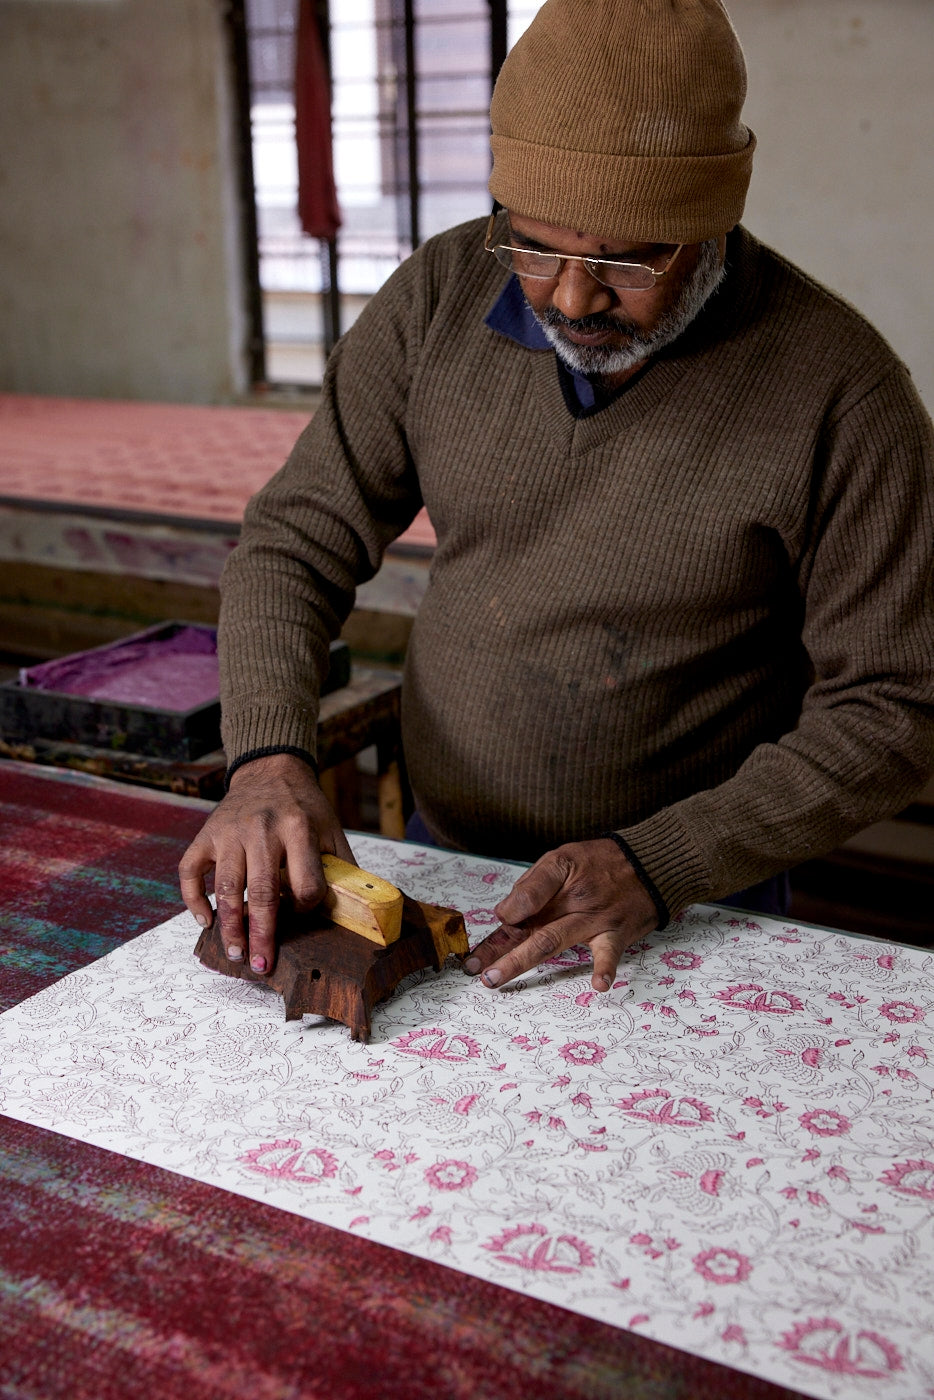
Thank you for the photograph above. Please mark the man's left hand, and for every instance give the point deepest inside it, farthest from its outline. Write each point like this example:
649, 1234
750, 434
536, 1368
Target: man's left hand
584, 892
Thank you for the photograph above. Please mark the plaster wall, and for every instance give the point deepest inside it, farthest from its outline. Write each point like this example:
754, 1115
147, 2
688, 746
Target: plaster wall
119, 253
119, 261
840, 98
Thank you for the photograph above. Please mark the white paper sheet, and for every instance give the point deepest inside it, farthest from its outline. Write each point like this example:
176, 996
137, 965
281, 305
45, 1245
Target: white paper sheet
732, 1151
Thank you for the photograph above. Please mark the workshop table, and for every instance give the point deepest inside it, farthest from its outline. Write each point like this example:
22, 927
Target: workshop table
119, 1278
364, 713
118, 514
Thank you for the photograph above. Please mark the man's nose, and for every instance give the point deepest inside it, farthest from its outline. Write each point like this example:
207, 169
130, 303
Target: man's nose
578, 294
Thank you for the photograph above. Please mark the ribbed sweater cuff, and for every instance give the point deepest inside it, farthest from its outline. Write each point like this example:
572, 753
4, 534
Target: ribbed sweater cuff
661, 908
278, 728
251, 754
670, 859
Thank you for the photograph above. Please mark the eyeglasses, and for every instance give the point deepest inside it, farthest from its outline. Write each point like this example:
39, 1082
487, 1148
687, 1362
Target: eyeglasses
612, 272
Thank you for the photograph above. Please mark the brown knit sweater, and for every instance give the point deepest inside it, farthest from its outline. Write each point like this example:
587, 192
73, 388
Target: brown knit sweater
701, 616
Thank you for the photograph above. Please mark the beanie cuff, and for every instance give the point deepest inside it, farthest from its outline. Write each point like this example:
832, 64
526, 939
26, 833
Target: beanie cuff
650, 199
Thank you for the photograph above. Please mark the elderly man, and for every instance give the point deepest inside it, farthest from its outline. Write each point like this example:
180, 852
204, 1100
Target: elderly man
678, 634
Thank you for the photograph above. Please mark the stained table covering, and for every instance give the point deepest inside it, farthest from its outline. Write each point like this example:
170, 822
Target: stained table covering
120, 1280
729, 1153
85, 864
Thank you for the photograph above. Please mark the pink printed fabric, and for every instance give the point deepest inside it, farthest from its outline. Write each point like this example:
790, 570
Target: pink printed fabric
732, 1151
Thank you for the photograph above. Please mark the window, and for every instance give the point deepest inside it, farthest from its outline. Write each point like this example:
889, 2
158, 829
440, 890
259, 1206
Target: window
410, 86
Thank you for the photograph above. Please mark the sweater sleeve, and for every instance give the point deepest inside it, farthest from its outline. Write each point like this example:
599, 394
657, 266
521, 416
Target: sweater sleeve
318, 529
864, 741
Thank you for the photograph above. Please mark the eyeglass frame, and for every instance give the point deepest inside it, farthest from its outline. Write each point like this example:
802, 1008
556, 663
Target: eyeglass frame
589, 263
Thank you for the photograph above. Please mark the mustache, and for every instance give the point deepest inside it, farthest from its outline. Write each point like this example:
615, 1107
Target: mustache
587, 325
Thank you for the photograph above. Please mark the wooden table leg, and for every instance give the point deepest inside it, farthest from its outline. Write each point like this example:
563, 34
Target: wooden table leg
389, 794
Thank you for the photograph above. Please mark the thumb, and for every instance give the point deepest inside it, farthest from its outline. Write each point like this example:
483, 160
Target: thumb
605, 962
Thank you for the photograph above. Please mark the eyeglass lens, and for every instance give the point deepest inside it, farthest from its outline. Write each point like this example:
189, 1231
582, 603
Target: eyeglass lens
527, 263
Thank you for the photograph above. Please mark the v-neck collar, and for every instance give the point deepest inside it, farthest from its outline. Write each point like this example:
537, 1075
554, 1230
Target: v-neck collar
511, 316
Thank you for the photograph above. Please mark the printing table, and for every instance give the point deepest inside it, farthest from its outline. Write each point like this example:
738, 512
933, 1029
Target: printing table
362, 714
119, 1279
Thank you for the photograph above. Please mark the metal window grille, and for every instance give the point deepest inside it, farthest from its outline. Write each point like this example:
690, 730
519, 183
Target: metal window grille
410, 89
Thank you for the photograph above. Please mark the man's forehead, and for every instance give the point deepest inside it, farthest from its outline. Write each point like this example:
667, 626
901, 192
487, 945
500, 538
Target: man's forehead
571, 240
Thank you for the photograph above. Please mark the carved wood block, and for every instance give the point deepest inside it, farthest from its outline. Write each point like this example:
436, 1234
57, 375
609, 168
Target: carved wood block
323, 969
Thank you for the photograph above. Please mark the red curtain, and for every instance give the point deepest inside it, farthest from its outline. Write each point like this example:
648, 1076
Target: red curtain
318, 210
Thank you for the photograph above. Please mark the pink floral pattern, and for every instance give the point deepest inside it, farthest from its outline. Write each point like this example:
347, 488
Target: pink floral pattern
681, 959
659, 1106
912, 1178
437, 1044
723, 1266
825, 1122
826, 1343
751, 996
902, 1012
451, 1175
733, 1143
533, 1247
287, 1160
582, 1052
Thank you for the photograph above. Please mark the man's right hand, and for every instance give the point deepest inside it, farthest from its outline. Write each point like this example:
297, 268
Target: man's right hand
275, 815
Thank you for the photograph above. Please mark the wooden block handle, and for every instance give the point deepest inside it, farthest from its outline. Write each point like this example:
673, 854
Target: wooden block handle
362, 902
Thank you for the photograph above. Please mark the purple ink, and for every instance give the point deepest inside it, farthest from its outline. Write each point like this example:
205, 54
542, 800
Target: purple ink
177, 672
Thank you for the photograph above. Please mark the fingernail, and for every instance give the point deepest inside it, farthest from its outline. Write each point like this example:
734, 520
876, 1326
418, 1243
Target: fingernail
472, 965
258, 964
202, 919
234, 953
604, 984
492, 977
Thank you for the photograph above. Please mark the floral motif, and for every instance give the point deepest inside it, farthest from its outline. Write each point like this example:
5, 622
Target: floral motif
751, 996
723, 1266
825, 1122
286, 1160
710, 1182
912, 1178
582, 1052
578, 956
436, 1044
534, 1247
451, 1175
903, 1012
658, 1106
681, 959
827, 1343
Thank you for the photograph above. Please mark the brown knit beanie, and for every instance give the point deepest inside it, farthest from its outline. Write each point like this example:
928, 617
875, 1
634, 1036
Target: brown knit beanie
621, 118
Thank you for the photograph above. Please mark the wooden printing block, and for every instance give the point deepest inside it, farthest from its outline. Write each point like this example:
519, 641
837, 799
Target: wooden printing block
323, 969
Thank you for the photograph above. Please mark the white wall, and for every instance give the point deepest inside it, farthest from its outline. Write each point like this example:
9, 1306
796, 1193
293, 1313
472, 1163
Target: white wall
119, 264
841, 97
119, 252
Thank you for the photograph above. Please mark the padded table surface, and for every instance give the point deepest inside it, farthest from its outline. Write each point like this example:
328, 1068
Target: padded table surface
193, 462
119, 1279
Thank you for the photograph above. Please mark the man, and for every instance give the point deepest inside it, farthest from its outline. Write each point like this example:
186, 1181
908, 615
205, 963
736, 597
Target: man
678, 634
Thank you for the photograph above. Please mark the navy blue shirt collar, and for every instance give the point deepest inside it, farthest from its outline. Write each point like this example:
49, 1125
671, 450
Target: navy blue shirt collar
512, 317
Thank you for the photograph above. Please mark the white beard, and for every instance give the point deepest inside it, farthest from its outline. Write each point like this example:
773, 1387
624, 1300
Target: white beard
602, 359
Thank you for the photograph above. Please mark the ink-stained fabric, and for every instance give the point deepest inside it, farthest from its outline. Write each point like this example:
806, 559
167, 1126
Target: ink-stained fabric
701, 617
